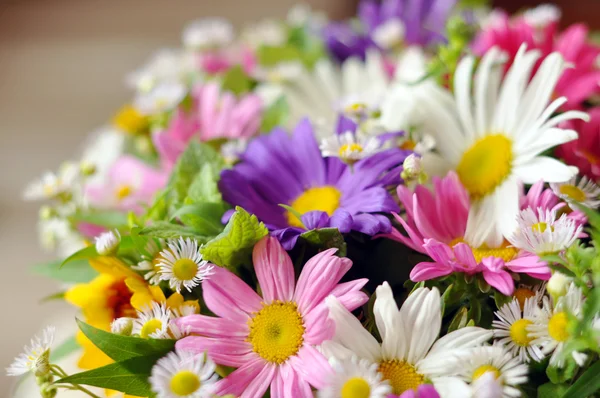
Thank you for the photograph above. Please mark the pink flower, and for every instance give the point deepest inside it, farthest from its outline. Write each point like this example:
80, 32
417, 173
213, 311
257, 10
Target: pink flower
423, 391
129, 184
220, 60
214, 114
576, 84
436, 225
585, 151
271, 339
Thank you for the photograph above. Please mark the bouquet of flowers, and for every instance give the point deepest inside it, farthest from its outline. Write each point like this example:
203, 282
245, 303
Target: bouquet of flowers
398, 205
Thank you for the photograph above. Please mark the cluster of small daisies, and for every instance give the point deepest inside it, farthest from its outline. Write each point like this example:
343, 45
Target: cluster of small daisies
225, 215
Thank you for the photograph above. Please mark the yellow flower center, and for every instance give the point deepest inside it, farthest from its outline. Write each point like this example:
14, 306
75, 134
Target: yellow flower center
185, 269
401, 375
277, 331
557, 327
519, 333
504, 252
483, 369
408, 145
356, 387
356, 108
573, 192
150, 327
185, 383
522, 294
541, 227
129, 120
485, 165
349, 148
123, 191
325, 199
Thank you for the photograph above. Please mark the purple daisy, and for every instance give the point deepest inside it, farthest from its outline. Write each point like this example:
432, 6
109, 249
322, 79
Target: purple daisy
280, 168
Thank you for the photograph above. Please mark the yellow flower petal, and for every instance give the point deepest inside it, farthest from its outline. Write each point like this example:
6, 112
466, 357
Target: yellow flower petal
113, 266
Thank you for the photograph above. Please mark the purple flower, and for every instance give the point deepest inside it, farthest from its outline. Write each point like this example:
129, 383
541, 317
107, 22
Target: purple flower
280, 168
343, 41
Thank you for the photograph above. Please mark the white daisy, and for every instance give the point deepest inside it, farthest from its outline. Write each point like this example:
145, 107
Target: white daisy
544, 234
35, 356
153, 322
108, 242
55, 185
166, 65
550, 328
494, 138
357, 376
349, 147
586, 192
486, 386
208, 33
507, 370
182, 374
511, 331
410, 353
162, 98
150, 260
181, 264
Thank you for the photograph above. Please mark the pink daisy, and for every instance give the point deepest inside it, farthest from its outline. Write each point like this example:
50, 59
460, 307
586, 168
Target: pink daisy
213, 115
585, 151
436, 225
271, 339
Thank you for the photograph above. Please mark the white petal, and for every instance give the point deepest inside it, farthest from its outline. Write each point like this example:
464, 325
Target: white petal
544, 168
487, 82
462, 93
421, 319
479, 224
387, 320
451, 387
470, 336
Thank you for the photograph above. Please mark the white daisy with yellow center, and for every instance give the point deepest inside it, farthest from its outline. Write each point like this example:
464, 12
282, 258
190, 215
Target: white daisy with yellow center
355, 378
61, 185
349, 147
182, 374
153, 322
151, 258
551, 326
511, 329
182, 265
35, 356
585, 192
543, 233
410, 353
492, 135
497, 361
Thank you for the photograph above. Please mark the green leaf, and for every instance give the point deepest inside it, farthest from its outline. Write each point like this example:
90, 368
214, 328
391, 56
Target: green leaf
77, 271
107, 219
204, 218
237, 81
204, 186
129, 376
563, 374
120, 348
550, 390
326, 238
275, 115
52, 297
67, 347
272, 55
446, 297
234, 245
459, 321
83, 254
166, 230
587, 384
501, 299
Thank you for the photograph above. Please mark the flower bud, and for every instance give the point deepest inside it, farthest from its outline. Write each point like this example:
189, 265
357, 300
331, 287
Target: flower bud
122, 326
558, 285
42, 365
108, 242
87, 168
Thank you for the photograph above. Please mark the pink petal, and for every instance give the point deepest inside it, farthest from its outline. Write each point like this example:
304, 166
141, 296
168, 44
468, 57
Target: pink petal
500, 280
274, 270
228, 352
238, 380
312, 366
349, 294
427, 270
261, 382
287, 384
212, 327
229, 297
318, 325
531, 265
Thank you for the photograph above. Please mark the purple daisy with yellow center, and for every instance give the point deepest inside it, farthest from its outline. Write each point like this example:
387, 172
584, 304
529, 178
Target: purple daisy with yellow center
283, 169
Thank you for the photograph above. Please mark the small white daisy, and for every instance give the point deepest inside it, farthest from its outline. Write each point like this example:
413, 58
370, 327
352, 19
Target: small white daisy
486, 386
355, 377
153, 322
150, 260
164, 97
349, 147
122, 326
54, 185
165, 65
389, 34
510, 329
586, 192
208, 33
182, 265
35, 356
108, 242
182, 374
542, 233
550, 328
507, 370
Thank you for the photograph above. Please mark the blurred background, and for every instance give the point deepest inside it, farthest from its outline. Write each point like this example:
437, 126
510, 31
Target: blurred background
62, 64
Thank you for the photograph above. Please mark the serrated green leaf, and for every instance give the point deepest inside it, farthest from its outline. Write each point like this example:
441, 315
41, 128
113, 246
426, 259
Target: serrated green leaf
587, 384
326, 238
120, 348
107, 219
77, 271
67, 347
234, 245
204, 218
129, 376
166, 230
204, 186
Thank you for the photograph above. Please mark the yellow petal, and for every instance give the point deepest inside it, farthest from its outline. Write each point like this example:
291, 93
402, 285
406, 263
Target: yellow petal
86, 294
175, 300
113, 266
157, 294
193, 303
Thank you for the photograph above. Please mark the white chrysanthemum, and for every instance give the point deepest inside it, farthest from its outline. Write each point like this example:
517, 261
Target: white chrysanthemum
166, 65
150, 260
542, 15
122, 326
510, 329
410, 353
208, 33
389, 34
108, 242
542, 233
493, 131
349, 147
586, 192
162, 98
550, 328
153, 322
355, 376
35, 355
507, 370
182, 265
54, 185
182, 374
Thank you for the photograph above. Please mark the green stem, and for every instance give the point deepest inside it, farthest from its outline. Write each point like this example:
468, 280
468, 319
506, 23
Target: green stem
57, 370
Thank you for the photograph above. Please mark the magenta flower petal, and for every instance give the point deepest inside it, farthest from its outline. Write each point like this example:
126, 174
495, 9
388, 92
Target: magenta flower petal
501, 280
212, 327
312, 366
228, 352
229, 297
274, 270
259, 385
428, 270
239, 379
